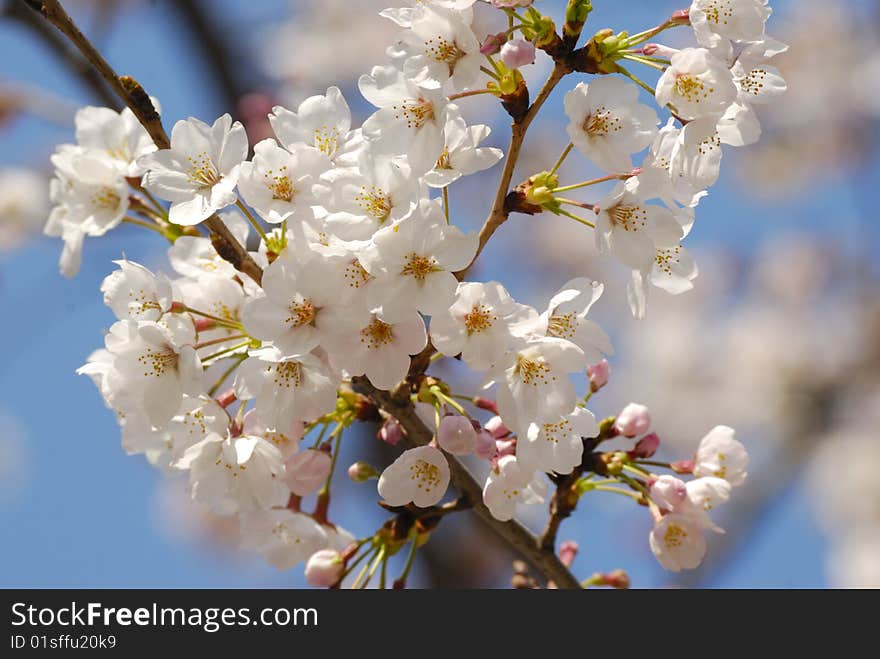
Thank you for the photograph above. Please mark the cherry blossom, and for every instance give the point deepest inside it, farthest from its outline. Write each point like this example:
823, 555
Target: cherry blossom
697, 84
419, 476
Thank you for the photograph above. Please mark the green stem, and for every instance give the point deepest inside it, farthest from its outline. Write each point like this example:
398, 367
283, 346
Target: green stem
645, 61
617, 490
145, 225
592, 181
409, 563
379, 557
235, 364
225, 351
641, 83
445, 193
222, 339
574, 202
370, 552
472, 92
220, 321
562, 211
562, 158
244, 209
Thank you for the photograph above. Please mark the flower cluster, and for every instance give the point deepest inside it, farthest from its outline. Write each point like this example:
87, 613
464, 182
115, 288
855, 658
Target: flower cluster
222, 377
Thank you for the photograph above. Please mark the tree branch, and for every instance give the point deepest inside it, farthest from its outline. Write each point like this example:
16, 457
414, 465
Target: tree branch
499, 213
134, 96
398, 405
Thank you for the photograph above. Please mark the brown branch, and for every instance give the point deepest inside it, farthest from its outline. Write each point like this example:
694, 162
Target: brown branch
69, 57
134, 96
499, 213
398, 405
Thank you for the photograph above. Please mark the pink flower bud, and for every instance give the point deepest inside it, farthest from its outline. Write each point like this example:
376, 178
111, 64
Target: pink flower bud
324, 568
495, 426
505, 447
658, 50
226, 399
517, 53
492, 43
203, 324
683, 466
361, 472
681, 15
567, 551
456, 435
634, 420
485, 447
668, 492
486, 404
307, 471
614, 579
390, 432
598, 374
646, 447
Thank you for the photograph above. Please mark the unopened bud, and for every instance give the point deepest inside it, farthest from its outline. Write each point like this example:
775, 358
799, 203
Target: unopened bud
492, 43
517, 53
683, 466
456, 435
390, 432
646, 447
361, 472
668, 492
599, 374
495, 427
485, 447
613, 579
633, 420
486, 404
324, 568
567, 552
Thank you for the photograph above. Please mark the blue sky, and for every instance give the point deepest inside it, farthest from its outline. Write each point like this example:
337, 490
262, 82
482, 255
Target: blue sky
84, 516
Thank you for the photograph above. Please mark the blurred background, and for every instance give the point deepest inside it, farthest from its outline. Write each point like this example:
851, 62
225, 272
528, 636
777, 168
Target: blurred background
780, 339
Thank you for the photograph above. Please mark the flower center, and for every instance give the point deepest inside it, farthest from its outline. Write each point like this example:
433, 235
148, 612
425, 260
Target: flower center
107, 198
282, 532
302, 312
279, 184
202, 171
533, 372
419, 266
287, 374
479, 319
157, 363
629, 218
446, 52
675, 536
415, 111
326, 140
355, 274
666, 259
375, 203
562, 326
601, 122
753, 83
554, 431
443, 160
377, 334
425, 474
140, 302
719, 11
691, 88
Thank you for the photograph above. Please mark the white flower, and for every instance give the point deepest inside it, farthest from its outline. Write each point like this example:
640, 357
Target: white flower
557, 446
721, 455
419, 476
629, 228
510, 483
533, 382
278, 183
674, 271
118, 135
197, 417
198, 174
737, 20
608, 124
693, 499
284, 537
299, 287
379, 192
192, 256
479, 324
24, 205
678, 542
656, 180
90, 197
217, 296
235, 474
361, 343
439, 46
414, 261
307, 470
697, 84
696, 155
757, 81
324, 568
286, 438
153, 366
456, 435
286, 388
136, 293
566, 318
322, 122
410, 120
462, 154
